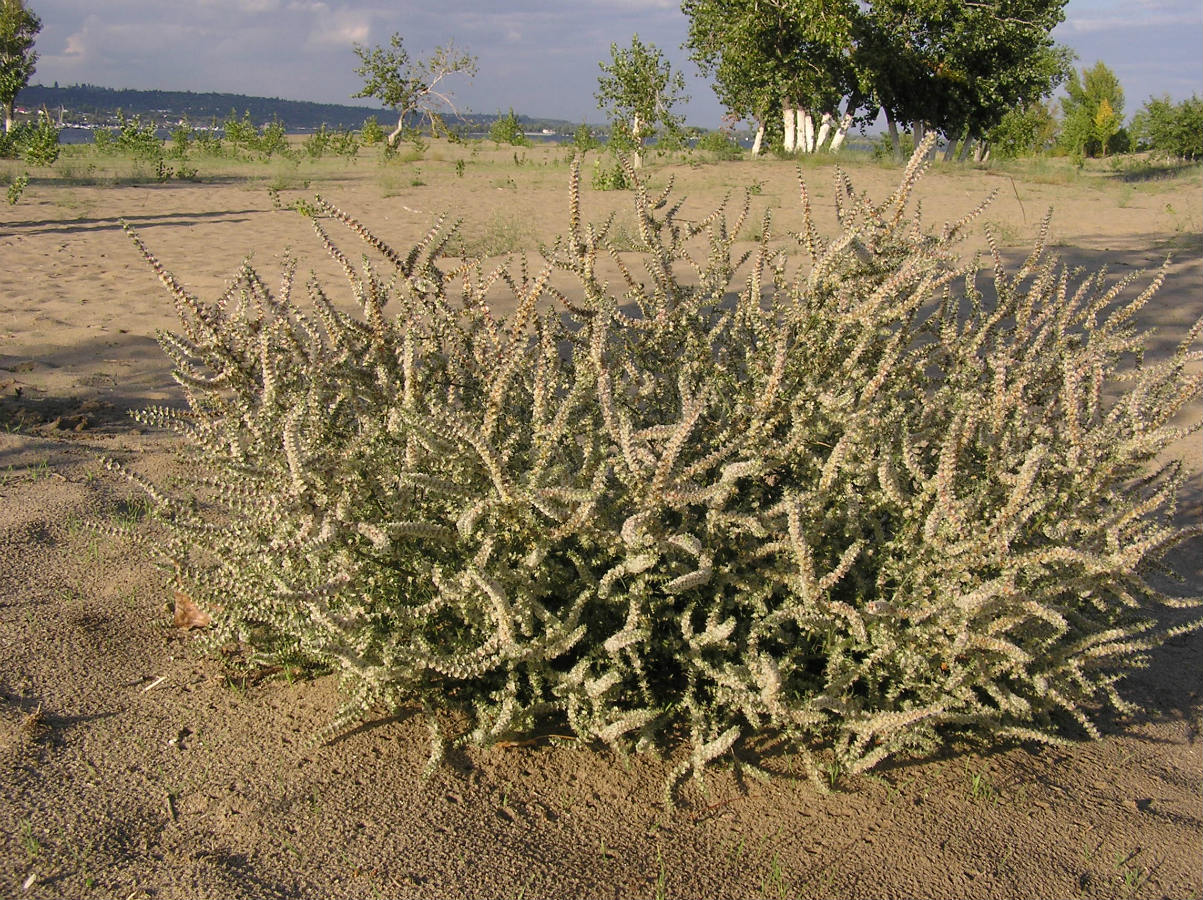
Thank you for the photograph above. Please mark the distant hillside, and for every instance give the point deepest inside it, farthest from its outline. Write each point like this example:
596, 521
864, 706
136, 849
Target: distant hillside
88, 104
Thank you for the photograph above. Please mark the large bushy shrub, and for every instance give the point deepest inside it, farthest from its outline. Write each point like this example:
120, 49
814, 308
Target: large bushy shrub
1170, 129
1024, 131
845, 498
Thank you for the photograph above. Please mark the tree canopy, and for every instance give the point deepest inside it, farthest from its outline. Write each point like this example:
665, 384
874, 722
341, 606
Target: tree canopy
961, 66
953, 65
765, 55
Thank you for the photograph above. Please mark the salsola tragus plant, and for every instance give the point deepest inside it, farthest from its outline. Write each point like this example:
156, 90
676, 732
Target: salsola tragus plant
845, 499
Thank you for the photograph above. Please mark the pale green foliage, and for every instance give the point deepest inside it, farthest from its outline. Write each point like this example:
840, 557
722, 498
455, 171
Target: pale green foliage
638, 89
35, 142
842, 497
610, 175
719, 146
16, 187
583, 140
134, 139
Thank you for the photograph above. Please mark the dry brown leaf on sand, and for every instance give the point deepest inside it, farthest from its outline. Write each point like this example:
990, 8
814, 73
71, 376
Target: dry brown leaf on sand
188, 614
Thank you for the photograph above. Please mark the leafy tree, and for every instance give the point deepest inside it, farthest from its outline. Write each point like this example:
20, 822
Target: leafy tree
411, 86
959, 67
1085, 132
1170, 129
638, 91
1106, 124
728, 42
795, 57
18, 28
583, 140
948, 64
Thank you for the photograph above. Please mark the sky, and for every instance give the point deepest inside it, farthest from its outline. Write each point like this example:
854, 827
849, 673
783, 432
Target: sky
538, 56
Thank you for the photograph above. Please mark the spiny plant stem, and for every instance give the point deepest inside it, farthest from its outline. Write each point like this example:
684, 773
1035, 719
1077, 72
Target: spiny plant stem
860, 508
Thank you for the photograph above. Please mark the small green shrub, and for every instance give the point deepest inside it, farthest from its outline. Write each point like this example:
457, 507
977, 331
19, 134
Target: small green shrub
611, 177
583, 140
184, 172
508, 130
16, 187
38, 144
719, 146
344, 143
241, 133
103, 141
843, 499
372, 132
136, 140
181, 141
273, 140
317, 143
340, 142
208, 141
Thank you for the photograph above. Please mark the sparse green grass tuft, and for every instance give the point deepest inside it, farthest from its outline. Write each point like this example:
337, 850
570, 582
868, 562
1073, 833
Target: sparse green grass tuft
501, 234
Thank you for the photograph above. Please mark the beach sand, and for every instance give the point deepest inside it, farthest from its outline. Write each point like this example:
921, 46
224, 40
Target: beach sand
130, 766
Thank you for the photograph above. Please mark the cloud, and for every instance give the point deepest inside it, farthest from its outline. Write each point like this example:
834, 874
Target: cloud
234, 7
641, 4
339, 30
1127, 21
1089, 18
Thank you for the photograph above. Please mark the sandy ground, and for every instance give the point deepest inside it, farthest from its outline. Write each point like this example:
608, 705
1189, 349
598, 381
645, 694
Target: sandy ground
132, 767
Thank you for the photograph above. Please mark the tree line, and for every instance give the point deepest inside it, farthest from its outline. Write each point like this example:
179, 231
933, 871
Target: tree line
980, 73
803, 72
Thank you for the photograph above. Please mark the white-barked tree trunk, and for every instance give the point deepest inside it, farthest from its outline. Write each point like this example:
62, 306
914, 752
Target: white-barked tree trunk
841, 132
758, 140
824, 130
806, 125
